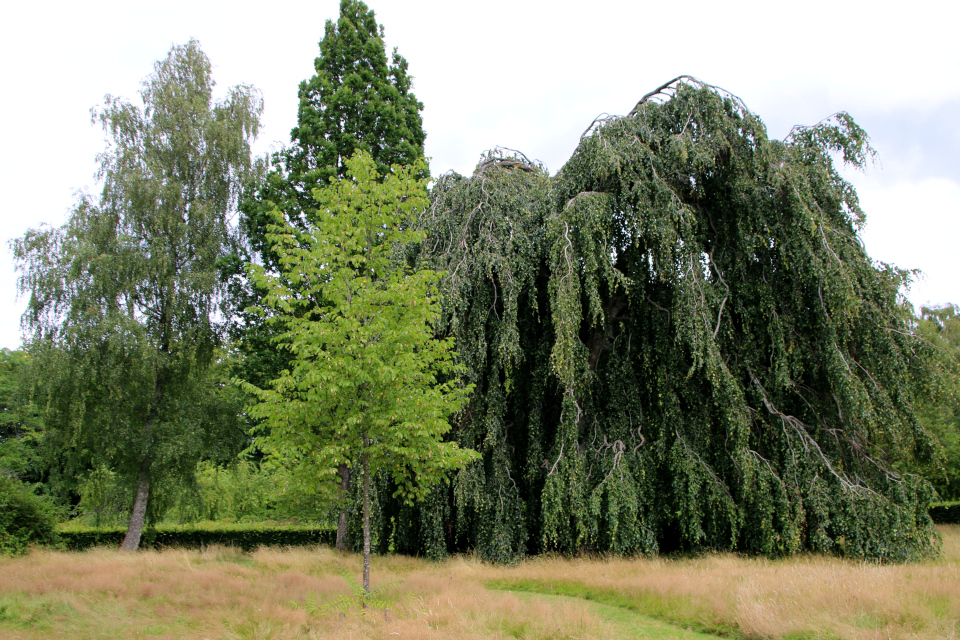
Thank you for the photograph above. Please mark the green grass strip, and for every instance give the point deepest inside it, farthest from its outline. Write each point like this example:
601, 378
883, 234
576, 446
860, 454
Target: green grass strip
674, 610
630, 624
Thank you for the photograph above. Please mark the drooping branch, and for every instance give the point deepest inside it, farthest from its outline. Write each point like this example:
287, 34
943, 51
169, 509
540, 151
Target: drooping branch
667, 272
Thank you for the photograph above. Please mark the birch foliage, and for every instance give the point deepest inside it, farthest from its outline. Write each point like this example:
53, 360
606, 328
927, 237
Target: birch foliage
123, 319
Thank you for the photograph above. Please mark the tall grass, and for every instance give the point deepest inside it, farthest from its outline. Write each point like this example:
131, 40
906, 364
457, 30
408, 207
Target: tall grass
804, 597
224, 593
279, 593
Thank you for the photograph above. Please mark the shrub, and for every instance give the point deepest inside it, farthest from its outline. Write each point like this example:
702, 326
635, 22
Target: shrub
103, 499
25, 518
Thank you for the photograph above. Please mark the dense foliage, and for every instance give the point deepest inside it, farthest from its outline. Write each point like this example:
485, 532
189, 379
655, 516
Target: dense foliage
368, 380
239, 491
940, 410
21, 427
358, 100
123, 308
25, 518
249, 492
678, 342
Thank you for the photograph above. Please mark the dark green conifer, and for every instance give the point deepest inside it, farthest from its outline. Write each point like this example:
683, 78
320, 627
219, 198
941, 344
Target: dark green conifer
356, 100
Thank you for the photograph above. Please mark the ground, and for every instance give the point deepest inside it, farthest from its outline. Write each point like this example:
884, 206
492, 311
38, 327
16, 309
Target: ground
306, 593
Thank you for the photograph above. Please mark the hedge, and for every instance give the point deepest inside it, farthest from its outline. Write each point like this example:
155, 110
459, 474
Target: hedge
250, 536
945, 513
245, 536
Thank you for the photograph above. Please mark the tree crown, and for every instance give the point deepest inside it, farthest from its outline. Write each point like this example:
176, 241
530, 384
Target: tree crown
366, 373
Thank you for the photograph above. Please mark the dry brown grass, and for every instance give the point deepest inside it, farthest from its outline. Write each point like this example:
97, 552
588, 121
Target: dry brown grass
224, 593
808, 596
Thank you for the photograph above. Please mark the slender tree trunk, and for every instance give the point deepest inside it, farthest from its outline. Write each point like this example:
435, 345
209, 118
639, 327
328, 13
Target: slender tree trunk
366, 518
131, 541
344, 471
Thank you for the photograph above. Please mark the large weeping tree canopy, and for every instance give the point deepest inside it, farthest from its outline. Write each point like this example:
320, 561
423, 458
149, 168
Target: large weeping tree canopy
678, 342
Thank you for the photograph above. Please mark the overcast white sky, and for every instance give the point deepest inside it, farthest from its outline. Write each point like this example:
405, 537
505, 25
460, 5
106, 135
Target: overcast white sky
529, 75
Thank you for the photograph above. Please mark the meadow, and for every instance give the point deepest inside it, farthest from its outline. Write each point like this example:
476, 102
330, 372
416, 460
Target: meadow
305, 592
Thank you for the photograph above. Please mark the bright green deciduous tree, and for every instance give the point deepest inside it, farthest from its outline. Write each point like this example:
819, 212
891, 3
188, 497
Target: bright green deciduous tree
359, 99
367, 378
124, 296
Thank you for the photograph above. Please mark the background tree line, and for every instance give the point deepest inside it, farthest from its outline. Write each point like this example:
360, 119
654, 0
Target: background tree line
679, 322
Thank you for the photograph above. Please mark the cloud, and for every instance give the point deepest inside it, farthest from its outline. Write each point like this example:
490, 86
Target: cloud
526, 75
915, 224
918, 142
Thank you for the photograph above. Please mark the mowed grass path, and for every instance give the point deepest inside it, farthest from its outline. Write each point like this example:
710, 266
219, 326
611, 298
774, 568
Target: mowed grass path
280, 593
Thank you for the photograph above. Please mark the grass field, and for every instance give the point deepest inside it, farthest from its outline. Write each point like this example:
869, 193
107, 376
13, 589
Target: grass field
291, 593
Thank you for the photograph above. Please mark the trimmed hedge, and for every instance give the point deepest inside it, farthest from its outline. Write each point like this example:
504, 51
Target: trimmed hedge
245, 536
945, 513
250, 536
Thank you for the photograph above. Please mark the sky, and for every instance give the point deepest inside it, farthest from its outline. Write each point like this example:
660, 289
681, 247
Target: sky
526, 75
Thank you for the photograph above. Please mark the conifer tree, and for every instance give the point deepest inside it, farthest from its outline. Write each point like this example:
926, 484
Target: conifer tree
357, 100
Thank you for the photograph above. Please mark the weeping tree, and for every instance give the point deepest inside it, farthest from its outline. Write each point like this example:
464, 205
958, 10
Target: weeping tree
677, 342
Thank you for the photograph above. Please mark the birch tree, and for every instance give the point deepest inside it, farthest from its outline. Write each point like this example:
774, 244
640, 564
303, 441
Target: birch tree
123, 299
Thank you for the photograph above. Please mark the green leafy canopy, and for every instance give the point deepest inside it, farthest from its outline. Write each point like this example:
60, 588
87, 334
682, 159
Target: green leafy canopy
678, 342
124, 297
357, 99
940, 406
367, 375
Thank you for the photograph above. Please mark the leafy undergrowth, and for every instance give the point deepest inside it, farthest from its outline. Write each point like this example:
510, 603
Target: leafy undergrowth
298, 592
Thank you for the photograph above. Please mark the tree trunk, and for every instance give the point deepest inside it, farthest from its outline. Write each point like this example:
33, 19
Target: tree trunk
344, 471
366, 519
131, 541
